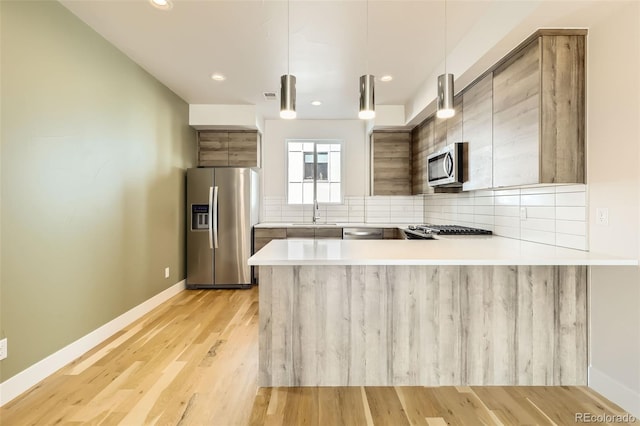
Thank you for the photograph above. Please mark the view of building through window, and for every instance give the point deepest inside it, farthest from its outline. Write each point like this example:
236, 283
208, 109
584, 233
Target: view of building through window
314, 172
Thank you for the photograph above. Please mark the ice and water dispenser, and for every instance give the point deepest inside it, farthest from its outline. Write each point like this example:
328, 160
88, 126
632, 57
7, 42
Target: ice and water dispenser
199, 217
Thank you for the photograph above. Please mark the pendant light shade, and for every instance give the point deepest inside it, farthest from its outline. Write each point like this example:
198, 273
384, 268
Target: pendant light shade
445, 96
288, 82
288, 96
367, 97
445, 82
367, 82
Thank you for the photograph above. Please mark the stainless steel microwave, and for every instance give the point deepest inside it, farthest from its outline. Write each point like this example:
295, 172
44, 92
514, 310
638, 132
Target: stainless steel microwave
445, 167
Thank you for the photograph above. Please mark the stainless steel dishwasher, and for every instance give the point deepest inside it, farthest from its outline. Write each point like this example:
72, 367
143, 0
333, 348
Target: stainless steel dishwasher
362, 234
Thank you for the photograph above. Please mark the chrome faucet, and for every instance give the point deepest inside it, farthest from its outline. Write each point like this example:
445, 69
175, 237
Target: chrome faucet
316, 209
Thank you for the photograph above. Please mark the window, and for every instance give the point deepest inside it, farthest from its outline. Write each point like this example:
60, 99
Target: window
314, 171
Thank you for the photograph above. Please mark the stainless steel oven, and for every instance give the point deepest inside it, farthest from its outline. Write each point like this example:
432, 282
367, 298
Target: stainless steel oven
445, 167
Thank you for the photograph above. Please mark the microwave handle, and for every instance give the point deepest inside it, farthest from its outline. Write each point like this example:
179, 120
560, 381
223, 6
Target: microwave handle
447, 164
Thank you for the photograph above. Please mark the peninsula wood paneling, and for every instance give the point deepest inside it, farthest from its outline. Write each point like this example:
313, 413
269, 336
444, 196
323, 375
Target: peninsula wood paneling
422, 325
563, 109
516, 119
477, 128
391, 163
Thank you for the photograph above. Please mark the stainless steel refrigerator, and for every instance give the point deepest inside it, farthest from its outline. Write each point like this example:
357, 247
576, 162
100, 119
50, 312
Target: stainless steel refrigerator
222, 207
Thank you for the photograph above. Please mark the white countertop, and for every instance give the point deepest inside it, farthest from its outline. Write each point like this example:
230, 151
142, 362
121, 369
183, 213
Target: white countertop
330, 225
449, 250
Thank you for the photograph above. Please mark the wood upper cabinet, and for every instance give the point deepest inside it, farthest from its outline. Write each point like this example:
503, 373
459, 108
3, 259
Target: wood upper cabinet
422, 142
538, 113
477, 128
391, 163
454, 124
228, 148
213, 149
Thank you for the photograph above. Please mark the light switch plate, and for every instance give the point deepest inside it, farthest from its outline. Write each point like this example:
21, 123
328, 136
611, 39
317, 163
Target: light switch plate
3, 348
166, 272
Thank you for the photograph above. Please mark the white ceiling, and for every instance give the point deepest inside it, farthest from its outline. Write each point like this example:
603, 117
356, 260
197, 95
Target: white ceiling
247, 42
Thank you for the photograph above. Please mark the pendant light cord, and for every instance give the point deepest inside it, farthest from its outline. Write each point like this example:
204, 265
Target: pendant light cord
288, 35
445, 37
366, 46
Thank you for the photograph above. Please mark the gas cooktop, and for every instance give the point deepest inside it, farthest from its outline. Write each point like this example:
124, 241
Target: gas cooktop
427, 231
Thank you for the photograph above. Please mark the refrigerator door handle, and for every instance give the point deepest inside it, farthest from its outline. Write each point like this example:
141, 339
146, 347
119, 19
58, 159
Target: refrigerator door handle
215, 217
209, 218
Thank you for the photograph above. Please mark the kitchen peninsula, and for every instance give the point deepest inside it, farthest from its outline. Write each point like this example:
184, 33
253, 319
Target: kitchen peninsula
454, 311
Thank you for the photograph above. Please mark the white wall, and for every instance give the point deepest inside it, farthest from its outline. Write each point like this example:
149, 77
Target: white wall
613, 161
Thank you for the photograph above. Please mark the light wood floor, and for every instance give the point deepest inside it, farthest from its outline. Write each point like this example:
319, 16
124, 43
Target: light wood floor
193, 361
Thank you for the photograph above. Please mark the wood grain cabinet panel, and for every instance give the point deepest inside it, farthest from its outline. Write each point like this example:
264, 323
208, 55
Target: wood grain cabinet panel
228, 148
261, 237
301, 232
538, 113
423, 325
454, 124
325, 233
244, 149
213, 149
422, 141
477, 128
516, 119
391, 163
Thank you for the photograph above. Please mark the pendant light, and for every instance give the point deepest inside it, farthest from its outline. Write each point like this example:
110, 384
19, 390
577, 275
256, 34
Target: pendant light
445, 82
288, 84
367, 84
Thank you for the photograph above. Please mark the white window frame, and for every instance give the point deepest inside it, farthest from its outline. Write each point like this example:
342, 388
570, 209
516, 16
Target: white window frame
315, 142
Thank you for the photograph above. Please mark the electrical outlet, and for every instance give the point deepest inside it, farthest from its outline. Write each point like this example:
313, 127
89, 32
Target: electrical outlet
166, 272
602, 216
3, 348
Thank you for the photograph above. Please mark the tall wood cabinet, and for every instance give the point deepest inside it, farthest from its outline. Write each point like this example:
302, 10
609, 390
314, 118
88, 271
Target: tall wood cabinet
477, 128
538, 113
228, 148
522, 121
391, 163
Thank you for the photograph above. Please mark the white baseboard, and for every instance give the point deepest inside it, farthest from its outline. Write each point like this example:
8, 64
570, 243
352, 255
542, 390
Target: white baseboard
24, 380
615, 391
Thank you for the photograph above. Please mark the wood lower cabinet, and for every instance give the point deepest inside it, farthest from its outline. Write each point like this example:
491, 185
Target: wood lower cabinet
228, 148
391, 163
328, 233
261, 237
477, 127
538, 113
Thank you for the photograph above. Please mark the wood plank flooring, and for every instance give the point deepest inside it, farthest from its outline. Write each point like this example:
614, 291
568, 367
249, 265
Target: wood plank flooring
193, 361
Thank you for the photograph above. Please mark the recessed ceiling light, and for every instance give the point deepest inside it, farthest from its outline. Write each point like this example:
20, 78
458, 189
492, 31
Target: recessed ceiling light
316, 103
161, 4
218, 77
386, 78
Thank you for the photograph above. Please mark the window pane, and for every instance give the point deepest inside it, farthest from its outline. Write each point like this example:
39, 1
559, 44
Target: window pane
335, 192
323, 147
335, 147
295, 193
323, 192
307, 192
295, 146
323, 171
295, 167
308, 146
335, 167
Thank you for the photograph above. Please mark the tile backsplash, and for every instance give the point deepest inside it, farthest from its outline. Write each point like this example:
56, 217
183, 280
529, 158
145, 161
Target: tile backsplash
555, 215
378, 209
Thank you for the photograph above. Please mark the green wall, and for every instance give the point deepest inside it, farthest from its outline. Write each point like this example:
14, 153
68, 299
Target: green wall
94, 152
